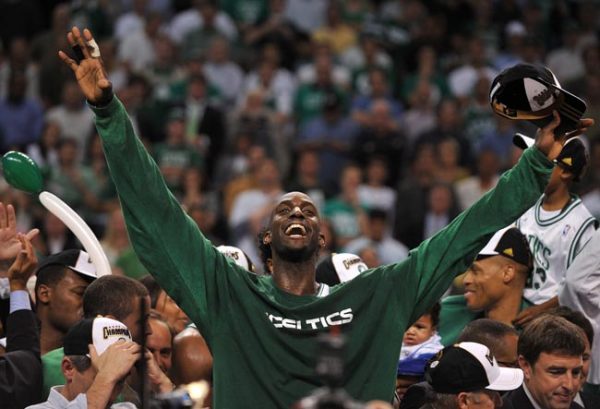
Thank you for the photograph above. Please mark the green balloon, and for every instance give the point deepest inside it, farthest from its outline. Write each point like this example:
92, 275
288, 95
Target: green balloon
21, 172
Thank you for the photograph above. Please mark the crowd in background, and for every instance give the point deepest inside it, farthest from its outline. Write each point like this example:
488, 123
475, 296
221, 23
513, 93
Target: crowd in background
379, 110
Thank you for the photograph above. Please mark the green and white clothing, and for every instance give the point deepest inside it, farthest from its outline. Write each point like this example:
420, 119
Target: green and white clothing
555, 238
263, 339
454, 317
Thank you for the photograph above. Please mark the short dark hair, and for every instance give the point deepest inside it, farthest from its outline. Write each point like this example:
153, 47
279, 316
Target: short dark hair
50, 276
112, 295
153, 288
550, 334
434, 313
577, 318
81, 362
488, 332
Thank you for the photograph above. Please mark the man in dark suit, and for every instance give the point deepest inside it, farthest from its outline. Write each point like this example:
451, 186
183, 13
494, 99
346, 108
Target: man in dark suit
551, 355
20, 367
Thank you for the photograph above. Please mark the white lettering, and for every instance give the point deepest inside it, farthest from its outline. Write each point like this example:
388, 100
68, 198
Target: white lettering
342, 317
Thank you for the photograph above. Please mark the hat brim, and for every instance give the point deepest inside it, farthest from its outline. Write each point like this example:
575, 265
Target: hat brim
522, 141
570, 110
86, 274
507, 380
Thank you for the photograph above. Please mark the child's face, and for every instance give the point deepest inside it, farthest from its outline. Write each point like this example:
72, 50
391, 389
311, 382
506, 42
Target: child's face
419, 332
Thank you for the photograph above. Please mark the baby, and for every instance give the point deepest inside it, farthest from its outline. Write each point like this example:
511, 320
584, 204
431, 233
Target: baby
421, 342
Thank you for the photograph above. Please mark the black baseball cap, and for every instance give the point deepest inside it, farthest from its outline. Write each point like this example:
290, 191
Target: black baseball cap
468, 367
508, 242
77, 260
573, 157
531, 92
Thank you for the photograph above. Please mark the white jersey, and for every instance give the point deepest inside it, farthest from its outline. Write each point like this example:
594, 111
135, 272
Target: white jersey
555, 238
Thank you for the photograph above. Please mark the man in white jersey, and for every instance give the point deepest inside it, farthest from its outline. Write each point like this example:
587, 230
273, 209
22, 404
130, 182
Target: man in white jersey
557, 227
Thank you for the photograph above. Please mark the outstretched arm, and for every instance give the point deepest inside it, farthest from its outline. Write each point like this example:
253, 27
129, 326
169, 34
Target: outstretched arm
167, 242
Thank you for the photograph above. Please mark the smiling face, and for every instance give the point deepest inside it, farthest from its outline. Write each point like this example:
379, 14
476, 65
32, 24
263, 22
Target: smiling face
484, 283
295, 233
553, 379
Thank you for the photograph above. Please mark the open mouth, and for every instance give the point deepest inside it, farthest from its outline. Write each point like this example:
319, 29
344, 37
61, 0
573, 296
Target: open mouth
295, 230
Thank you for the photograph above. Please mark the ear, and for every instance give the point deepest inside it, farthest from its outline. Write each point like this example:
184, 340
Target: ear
43, 294
67, 369
321, 241
508, 274
267, 237
525, 367
461, 400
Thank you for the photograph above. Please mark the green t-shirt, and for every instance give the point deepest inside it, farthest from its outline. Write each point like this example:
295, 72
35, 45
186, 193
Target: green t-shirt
264, 341
343, 217
246, 11
455, 315
52, 370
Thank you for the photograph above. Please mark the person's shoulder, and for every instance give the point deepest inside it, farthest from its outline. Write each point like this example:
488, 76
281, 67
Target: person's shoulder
57, 353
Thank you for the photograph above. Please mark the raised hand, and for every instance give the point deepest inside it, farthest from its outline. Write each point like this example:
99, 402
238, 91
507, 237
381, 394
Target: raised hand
551, 145
116, 362
24, 265
10, 245
89, 72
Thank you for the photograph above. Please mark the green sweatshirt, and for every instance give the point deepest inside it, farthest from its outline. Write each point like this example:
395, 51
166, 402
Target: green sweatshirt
264, 340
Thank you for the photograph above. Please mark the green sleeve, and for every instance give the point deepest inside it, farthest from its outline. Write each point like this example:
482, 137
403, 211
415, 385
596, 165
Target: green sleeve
166, 240
454, 316
431, 267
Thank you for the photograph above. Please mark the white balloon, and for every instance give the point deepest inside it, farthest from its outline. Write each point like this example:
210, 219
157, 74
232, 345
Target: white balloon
80, 229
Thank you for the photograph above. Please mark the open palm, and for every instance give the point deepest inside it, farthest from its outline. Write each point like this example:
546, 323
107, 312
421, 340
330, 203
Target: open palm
10, 245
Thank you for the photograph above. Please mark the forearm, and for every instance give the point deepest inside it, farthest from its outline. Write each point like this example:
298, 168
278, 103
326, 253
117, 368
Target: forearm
98, 395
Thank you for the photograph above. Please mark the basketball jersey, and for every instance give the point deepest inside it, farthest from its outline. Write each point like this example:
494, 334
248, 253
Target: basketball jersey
555, 238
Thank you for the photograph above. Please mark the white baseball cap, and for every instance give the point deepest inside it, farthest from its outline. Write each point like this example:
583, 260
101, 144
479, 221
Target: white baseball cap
102, 332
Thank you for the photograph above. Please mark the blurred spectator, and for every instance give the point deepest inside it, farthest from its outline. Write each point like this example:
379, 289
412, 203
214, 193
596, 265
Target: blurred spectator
73, 116
45, 43
469, 190
374, 193
62, 278
21, 118
408, 227
256, 118
45, 151
323, 69
429, 72
566, 62
499, 140
378, 89
194, 189
114, 69
175, 155
194, 29
462, 80
332, 135
345, 211
221, 71
306, 177
360, 59
277, 83
493, 284
205, 215
448, 157
19, 59
164, 70
514, 39
421, 117
136, 50
377, 236
165, 306
380, 136
335, 32
55, 236
441, 209
115, 240
548, 342
132, 22
306, 15
499, 337
479, 119
245, 180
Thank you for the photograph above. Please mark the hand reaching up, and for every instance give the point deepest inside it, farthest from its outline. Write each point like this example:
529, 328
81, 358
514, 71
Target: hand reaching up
10, 245
24, 265
89, 72
549, 144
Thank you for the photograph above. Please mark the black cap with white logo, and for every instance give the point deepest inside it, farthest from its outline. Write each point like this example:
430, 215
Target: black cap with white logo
573, 157
531, 92
77, 260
